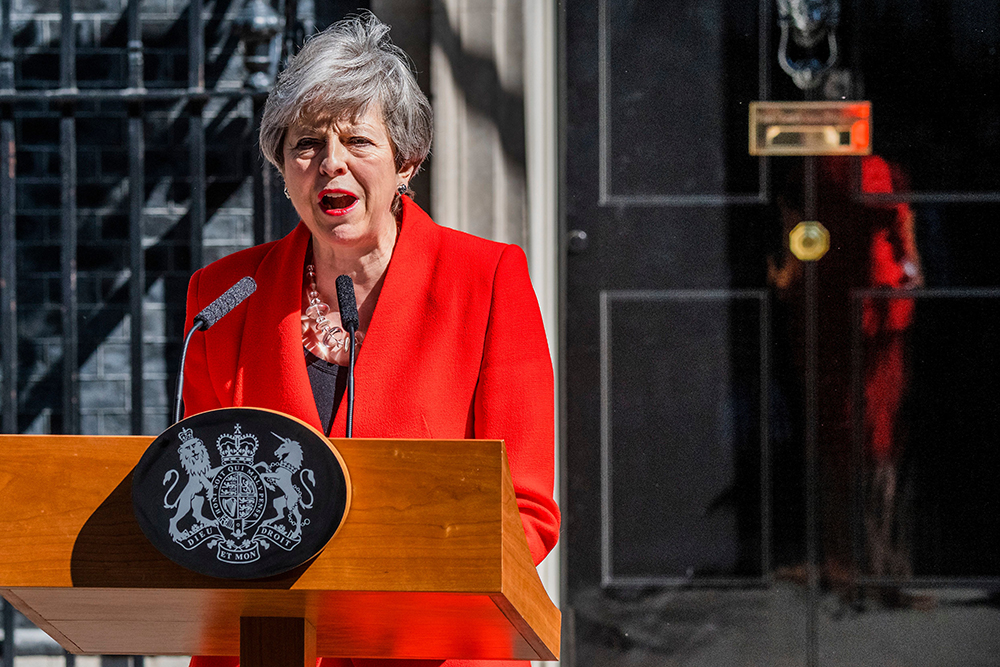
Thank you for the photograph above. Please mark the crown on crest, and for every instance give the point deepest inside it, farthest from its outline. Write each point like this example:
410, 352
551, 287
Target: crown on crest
236, 447
187, 435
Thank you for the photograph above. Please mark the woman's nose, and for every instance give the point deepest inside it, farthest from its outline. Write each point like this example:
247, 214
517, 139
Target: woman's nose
333, 163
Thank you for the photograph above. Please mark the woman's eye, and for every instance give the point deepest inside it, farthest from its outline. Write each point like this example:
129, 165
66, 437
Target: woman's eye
360, 141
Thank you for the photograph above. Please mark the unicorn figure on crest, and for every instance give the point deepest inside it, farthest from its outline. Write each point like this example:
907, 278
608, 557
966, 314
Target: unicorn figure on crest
282, 476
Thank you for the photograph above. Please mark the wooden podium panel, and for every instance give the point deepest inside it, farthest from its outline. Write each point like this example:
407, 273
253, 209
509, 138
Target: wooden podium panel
431, 561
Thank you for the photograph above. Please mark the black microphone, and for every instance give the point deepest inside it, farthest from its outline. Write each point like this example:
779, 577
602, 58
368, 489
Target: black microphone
209, 315
347, 302
232, 297
348, 305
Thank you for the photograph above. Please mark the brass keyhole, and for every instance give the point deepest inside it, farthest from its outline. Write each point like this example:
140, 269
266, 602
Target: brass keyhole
809, 241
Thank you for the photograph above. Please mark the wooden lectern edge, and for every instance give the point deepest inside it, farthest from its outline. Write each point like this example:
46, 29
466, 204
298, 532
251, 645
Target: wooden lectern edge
524, 602
29, 613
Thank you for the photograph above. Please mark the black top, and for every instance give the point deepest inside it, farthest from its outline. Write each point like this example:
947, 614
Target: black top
329, 382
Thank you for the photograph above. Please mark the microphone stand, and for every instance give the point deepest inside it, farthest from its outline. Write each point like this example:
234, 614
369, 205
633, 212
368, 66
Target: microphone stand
178, 403
348, 305
350, 384
208, 316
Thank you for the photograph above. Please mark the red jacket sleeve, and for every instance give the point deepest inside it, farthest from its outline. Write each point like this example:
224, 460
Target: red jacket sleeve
199, 395
515, 398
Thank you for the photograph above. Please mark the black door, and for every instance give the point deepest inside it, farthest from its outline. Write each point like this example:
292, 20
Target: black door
773, 461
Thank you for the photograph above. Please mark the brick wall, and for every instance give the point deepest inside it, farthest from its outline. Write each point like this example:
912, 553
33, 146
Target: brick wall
102, 200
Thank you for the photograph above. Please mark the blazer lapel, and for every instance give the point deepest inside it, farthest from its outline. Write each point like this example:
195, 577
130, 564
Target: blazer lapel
392, 342
271, 372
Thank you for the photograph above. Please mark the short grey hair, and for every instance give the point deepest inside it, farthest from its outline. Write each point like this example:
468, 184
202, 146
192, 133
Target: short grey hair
342, 71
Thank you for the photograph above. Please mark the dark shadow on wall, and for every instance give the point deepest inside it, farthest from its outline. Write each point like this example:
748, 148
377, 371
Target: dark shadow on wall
103, 55
95, 326
479, 80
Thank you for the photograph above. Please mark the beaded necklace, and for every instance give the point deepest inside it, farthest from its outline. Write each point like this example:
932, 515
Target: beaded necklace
319, 335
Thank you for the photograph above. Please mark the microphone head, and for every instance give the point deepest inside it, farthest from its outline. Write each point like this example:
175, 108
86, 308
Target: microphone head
348, 303
232, 297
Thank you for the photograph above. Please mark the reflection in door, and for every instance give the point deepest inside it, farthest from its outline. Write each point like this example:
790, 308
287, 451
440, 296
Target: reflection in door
772, 462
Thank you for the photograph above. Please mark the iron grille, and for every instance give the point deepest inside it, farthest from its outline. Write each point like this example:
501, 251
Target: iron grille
143, 122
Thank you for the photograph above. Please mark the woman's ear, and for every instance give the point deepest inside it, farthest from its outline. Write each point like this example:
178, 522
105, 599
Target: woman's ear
408, 170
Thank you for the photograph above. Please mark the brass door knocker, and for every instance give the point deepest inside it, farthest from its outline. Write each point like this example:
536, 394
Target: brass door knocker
809, 22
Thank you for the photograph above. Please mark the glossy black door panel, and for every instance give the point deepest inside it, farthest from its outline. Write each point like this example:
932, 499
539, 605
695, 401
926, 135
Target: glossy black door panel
771, 462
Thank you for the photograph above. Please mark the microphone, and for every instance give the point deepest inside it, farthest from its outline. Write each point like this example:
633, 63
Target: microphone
209, 315
231, 298
348, 305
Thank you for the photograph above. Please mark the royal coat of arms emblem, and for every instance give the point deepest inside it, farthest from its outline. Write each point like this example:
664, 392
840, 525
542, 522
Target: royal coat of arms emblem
255, 496
237, 495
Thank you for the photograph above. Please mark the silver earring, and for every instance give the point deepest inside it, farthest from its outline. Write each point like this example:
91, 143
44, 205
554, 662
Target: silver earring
287, 196
401, 189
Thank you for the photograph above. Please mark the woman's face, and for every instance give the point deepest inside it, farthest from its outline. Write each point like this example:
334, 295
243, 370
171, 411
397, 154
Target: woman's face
341, 177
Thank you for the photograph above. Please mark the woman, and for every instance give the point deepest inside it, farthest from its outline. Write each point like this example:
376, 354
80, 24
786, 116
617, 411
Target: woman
452, 344
873, 246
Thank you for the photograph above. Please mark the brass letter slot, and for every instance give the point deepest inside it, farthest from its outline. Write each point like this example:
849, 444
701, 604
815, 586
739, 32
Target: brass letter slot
810, 128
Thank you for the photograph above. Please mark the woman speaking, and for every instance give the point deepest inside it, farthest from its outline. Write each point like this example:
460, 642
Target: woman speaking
450, 340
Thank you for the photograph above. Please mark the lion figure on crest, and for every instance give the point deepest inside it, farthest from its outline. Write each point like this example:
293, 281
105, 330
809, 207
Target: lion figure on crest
191, 499
281, 475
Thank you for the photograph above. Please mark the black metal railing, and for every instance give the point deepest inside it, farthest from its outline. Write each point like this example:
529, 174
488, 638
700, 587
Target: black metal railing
67, 99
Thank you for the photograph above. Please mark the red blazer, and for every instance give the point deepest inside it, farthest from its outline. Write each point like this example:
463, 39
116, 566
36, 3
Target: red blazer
455, 349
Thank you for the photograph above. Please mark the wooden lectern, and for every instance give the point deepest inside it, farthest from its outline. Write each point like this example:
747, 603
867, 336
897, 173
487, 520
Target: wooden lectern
431, 562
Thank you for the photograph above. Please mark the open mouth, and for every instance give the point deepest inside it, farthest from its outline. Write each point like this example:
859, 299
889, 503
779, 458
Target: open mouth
336, 202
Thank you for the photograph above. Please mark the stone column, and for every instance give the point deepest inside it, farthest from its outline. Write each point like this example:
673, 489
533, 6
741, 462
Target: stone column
489, 68
477, 66
469, 56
